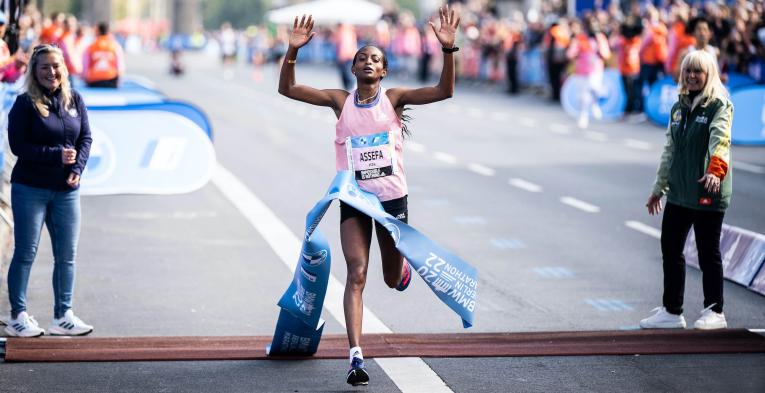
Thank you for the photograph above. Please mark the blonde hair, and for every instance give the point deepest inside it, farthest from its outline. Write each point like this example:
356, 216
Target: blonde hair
36, 91
704, 61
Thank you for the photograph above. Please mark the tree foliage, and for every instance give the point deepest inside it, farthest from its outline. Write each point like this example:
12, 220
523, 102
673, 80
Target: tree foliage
240, 13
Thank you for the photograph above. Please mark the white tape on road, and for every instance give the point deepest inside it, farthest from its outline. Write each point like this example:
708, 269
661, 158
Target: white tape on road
445, 157
637, 144
643, 228
287, 247
579, 204
481, 169
525, 185
413, 375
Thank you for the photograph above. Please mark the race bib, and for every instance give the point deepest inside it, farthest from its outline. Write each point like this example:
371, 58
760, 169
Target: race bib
371, 156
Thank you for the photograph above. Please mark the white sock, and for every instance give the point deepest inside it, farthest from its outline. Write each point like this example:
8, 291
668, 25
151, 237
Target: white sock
356, 353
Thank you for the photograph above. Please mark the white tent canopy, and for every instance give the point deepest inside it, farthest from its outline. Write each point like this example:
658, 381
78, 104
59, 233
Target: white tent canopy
328, 12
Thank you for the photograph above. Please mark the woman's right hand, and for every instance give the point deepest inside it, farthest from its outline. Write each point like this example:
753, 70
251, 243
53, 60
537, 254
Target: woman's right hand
654, 204
301, 32
68, 156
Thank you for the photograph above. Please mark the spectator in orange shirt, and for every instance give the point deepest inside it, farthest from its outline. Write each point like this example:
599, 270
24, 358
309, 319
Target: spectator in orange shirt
556, 42
628, 56
653, 52
103, 62
52, 31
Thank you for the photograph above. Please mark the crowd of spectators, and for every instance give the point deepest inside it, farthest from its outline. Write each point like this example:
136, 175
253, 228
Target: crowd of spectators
518, 50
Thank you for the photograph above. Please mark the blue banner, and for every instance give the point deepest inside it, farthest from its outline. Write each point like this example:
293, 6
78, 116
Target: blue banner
293, 337
185, 109
104, 96
659, 101
299, 328
748, 116
612, 99
138, 151
737, 81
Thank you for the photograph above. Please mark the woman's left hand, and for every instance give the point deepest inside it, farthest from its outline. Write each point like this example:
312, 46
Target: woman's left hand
73, 180
449, 23
711, 183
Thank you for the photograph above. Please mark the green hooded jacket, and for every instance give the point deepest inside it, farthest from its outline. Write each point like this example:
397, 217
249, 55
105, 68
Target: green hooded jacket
698, 142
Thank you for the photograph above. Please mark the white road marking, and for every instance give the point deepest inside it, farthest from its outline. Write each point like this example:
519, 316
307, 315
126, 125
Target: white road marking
553, 272
579, 204
643, 228
470, 220
445, 157
287, 247
637, 144
525, 185
413, 375
608, 304
500, 116
414, 146
748, 167
505, 244
558, 128
475, 113
481, 170
528, 122
596, 136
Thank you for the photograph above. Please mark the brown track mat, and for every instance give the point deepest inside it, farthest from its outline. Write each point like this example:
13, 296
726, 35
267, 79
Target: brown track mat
644, 342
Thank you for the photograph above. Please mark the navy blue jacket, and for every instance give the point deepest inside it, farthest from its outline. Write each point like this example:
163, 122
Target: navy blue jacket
38, 141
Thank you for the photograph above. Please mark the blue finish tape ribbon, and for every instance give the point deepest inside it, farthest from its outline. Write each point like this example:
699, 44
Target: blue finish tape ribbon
453, 280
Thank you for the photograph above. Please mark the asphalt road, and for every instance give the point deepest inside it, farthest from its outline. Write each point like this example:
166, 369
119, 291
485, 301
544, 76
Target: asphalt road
508, 183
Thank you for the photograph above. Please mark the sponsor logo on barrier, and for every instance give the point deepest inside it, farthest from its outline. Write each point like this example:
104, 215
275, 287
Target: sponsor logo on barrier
667, 100
102, 160
293, 342
313, 226
315, 259
308, 276
304, 300
449, 279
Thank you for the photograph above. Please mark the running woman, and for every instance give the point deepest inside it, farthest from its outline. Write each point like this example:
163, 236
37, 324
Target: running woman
370, 113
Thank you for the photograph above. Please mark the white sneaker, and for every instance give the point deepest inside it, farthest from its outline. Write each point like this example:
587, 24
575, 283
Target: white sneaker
663, 320
69, 325
583, 121
711, 320
597, 113
23, 326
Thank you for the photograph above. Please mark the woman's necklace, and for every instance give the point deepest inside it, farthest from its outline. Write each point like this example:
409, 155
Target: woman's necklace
366, 100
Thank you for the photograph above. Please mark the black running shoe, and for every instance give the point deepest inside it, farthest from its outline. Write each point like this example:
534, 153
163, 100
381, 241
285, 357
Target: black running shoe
357, 375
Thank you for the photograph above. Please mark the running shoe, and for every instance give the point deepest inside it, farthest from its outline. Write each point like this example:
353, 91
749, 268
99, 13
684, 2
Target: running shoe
711, 320
69, 325
662, 319
406, 277
24, 326
357, 375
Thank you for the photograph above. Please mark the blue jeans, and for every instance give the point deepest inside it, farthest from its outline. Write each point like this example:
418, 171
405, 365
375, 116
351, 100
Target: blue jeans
60, 211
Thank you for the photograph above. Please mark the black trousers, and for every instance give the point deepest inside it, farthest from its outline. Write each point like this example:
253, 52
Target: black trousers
707, 226
110, 83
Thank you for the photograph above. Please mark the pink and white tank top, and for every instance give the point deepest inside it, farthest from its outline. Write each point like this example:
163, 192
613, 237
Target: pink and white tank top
369, 142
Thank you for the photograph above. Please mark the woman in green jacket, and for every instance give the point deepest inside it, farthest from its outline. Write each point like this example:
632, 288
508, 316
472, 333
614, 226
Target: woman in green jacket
695, 176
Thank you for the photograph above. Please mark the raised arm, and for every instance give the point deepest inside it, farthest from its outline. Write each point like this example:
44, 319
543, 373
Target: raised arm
446, 35
301, 35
